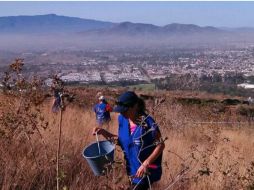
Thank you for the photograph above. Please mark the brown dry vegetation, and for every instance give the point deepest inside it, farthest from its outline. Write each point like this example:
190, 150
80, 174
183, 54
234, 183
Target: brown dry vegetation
198, 155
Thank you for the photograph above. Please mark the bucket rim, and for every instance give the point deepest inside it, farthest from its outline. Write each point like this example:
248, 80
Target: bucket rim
98, 155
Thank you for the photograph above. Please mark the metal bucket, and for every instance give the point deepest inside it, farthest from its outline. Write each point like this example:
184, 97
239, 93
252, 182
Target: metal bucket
99, 155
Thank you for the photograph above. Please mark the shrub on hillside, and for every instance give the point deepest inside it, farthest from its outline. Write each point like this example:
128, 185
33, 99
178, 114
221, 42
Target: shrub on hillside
247, 111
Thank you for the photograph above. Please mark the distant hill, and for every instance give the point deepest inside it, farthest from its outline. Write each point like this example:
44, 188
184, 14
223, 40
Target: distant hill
190, 28
53, 23
48, 24
54, 31
129, 28
141, 29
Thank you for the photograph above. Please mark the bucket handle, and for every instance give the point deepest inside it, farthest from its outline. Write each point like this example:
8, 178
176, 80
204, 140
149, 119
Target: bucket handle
97, 140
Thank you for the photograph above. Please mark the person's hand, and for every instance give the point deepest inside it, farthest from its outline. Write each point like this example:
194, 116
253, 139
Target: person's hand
97, 130
142, 169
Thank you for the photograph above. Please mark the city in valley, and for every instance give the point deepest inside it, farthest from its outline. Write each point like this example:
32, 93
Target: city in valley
138, 66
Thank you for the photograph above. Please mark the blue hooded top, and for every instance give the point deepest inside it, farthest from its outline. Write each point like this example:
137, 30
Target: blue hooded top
138, 146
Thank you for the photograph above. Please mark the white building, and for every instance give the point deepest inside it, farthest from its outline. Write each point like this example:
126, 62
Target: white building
246, 86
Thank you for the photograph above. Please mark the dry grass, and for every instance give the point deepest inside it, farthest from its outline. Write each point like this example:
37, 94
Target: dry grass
210, 155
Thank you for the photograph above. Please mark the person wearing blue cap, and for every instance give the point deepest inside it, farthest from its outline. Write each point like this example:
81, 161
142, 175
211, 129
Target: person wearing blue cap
140, 139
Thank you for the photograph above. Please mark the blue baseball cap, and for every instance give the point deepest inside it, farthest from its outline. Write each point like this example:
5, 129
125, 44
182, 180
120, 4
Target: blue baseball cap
125, 100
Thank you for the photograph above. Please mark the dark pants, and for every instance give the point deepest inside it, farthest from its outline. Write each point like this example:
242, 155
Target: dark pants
141, 186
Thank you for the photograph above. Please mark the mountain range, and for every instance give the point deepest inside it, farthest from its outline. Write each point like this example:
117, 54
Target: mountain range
48, 24
53, 23
72, 31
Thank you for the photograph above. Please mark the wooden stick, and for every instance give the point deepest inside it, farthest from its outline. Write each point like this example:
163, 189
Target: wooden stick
58, 151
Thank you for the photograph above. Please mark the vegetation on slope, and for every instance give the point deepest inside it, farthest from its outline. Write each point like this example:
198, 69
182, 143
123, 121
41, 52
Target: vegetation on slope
209, 143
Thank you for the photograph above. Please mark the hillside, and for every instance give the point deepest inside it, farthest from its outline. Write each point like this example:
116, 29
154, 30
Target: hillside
50, 23
59, 24
40, 32
208, 146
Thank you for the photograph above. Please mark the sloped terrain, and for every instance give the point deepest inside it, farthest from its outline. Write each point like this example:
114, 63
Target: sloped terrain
208, 146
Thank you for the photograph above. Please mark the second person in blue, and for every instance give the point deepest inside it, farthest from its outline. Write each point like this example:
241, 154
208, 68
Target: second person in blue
102, 111
140, 139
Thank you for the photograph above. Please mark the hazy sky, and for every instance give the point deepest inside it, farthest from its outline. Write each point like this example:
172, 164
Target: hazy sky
228, 14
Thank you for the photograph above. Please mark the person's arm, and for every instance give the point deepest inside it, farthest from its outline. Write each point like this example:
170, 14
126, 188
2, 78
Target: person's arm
104, 133
109, 108
155, 154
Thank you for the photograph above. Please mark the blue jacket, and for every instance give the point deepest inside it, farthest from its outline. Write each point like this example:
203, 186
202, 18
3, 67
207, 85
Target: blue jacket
102, 115
138, 141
